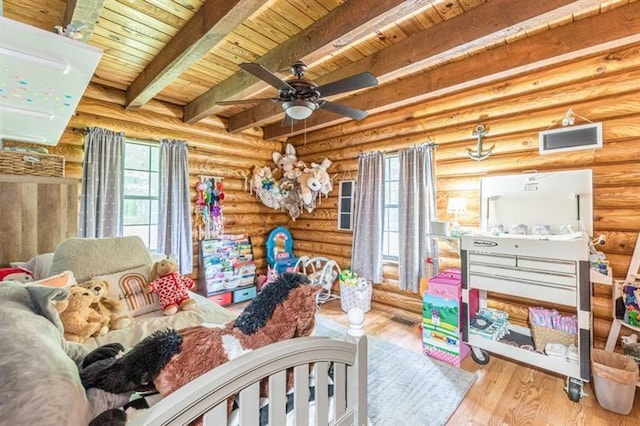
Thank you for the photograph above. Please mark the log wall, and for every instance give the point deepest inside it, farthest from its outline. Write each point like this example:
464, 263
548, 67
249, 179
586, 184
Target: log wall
212, 151
602, 88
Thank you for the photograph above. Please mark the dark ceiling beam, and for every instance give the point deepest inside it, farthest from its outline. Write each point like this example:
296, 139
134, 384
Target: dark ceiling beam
490, 22
213, 21
587, 37
346, 22
85, 11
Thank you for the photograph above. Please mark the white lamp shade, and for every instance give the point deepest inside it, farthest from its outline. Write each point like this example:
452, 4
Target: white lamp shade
299, 109
456, 205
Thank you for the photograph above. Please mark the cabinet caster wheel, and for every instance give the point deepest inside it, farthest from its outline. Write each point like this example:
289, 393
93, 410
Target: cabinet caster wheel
574, 389
480, 356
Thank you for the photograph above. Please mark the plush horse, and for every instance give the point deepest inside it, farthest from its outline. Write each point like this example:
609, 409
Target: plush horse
282, 310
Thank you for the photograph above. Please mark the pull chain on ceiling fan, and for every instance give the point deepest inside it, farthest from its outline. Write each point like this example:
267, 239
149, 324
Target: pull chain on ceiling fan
300, 97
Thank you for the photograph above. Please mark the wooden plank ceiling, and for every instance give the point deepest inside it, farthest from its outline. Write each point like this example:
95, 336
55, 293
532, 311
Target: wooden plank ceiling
186, 52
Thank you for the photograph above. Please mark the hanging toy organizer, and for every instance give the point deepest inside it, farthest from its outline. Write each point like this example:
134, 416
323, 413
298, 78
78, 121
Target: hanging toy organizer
209, 220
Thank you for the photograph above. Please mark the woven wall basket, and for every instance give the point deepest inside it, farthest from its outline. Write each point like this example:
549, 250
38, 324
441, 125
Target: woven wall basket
31, 163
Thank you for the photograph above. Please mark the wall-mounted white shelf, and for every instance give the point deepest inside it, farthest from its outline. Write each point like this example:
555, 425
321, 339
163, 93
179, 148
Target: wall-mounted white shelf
42, 79
600, 278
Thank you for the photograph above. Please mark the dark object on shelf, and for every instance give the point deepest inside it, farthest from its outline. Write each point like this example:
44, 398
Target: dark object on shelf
620, 308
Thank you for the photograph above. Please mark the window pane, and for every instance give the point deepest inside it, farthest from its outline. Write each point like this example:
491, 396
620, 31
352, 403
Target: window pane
140, 231
394, 245
155, 158
345, 205
135, 212
154, 183
393, 193
345, 221
392, 222
394, 168
346, 188
136, 183
153, 215
136, 156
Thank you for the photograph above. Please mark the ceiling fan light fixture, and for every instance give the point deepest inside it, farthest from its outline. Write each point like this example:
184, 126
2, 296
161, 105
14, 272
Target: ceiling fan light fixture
299, 109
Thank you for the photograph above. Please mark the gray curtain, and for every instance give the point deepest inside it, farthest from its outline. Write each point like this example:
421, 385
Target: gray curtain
101, 197
366, 258
174, 222
417, 207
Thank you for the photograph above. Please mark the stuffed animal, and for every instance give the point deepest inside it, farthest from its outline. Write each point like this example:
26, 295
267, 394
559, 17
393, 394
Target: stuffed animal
16, 274
106, 306
79, 320
282, 310
171, 287
320, 173
288, 163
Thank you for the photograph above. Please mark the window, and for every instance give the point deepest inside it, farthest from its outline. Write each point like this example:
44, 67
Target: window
141, 182
345, 205
390, 241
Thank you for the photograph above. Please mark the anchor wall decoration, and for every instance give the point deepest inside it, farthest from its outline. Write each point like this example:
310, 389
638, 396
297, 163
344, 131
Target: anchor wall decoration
479, 154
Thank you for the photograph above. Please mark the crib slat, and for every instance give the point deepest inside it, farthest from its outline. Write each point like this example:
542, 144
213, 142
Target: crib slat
249, 401
322, 393
278, 398
301, 394
340, 388
216, 416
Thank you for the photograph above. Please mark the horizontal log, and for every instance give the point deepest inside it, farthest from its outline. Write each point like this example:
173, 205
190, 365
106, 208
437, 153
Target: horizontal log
569, 75
538, 107
171, 124
329, 250
336, 237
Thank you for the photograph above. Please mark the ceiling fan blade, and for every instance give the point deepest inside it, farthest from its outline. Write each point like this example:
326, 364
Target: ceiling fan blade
355, 82
341, 109
264, 74
245, 101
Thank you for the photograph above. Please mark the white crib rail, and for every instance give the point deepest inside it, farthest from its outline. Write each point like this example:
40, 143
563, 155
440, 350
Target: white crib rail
207, 395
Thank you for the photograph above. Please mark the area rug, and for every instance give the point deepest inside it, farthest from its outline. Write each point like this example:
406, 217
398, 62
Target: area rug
405, 387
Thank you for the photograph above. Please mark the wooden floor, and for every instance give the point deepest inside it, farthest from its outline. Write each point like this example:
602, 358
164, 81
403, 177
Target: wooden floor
504, 393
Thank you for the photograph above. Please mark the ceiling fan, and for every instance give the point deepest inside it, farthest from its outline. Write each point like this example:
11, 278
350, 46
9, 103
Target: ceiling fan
300, 97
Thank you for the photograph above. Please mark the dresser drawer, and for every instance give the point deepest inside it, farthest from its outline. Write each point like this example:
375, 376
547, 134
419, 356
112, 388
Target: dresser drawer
222, 298
244, 294
547, 265
492, 259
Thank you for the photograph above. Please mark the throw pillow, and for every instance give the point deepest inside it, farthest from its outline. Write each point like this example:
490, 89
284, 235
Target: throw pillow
128, 287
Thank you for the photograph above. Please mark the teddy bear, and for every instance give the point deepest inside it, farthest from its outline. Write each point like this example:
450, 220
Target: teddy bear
320, 173
171, 287
79, 320
108, 307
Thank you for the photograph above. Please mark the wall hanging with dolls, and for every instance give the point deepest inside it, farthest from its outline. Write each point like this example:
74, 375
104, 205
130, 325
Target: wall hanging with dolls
209, 220
292, 185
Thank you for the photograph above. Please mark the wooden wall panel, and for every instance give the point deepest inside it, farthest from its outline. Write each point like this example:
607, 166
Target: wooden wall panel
602, 88
37, 214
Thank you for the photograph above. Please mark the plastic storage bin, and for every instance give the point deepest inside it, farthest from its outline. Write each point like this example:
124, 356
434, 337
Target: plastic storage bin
614, 379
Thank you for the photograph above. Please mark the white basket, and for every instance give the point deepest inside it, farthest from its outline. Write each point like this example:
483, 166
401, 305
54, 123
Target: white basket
356, 296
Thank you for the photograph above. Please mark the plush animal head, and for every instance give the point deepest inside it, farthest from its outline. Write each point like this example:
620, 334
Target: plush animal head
282, 310
307, 184
322, 176
164, 267
99, 287
80, 298
287, 161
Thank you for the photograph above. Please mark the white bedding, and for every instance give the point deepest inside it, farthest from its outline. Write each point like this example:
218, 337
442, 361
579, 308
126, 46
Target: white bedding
144, 325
